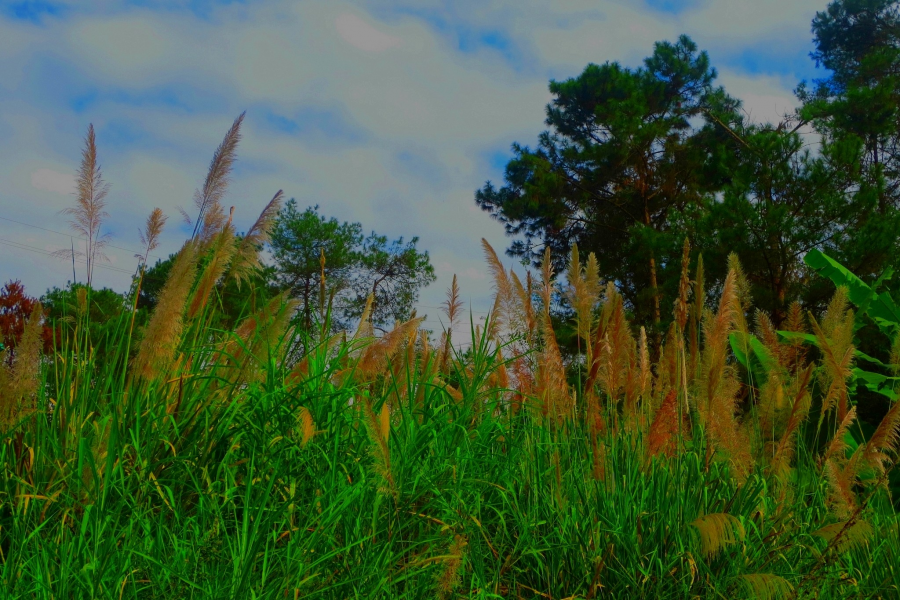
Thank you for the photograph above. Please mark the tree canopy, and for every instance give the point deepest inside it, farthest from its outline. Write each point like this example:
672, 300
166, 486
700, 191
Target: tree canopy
626, 147
307, 246
636, 160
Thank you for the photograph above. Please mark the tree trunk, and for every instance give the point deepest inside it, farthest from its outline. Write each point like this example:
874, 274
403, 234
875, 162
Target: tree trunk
657, 315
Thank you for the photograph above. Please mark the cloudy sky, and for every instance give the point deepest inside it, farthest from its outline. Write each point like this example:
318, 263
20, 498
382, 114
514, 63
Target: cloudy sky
387, 112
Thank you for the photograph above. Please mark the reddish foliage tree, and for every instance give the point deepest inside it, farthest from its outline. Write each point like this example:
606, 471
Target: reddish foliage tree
15, 308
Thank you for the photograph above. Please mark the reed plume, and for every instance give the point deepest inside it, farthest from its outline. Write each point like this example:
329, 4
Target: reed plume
664, 428
696, 318
885, 439
767, 586
365, 330
718, 530
835, 340
582, 293
743, 292
207, 200
378, 430
844, 535
19, 380
376, 355
156, 222
718, 386
448, 579
150, 240
256, 339
307, 425
504, 316
550, 384
452, 307
163, 333
838, 447
784, 451
841, 477
684, 287
246, 257
89, 212
523, 294
223, 250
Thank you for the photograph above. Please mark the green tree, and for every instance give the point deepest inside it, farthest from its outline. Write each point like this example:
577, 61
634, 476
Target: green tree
298, 241
858, 41
778, 202
393, 273
354, 268
626, 148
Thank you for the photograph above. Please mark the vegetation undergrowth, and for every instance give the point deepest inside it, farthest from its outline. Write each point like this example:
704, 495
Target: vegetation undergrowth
272, 461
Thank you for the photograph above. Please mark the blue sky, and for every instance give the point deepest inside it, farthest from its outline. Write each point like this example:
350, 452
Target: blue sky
387, 112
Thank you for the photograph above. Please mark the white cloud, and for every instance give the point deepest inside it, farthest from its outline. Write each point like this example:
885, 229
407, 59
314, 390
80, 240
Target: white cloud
52, 181
362, 35
404, 85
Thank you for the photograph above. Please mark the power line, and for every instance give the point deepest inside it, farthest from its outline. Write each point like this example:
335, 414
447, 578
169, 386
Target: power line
21, 246
69, 235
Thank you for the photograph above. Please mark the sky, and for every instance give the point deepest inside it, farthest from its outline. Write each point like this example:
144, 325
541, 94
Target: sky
391, 113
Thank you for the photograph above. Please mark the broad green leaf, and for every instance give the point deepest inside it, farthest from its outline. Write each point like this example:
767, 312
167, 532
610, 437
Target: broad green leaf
795, 335
870, 359
878, 383
764, 361
860, 294
886, 314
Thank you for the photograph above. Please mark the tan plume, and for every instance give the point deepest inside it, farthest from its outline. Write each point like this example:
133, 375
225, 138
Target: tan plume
163, 333
207, 200
246, 259
88, 214
718, 530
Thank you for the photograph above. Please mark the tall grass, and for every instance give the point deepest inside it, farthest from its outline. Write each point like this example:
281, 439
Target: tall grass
192, 462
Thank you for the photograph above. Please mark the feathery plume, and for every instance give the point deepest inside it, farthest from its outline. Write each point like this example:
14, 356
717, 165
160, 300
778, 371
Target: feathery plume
448, 579
19, 381
451, 307
837, 448
207, 200
163, 332
365, 329
835, 340
150, 235
845, 536
223, 251
376, 355
646, 374
841, 498
307, 425
502, 286
767, 586
886, 438
246, 259
551, 384
664, 428
89, 212
717, 530
381, 454
784, 452
696, 318
684, 287
894, 360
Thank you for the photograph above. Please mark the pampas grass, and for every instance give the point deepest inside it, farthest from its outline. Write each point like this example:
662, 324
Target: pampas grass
89, 212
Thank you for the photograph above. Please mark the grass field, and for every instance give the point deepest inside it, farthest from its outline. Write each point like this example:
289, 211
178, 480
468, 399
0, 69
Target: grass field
195, 463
